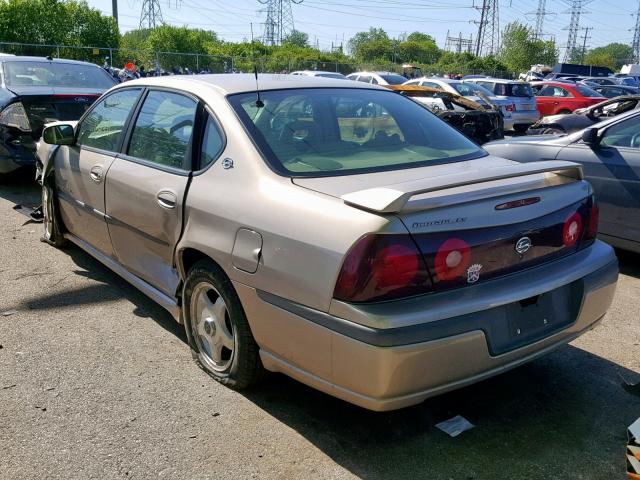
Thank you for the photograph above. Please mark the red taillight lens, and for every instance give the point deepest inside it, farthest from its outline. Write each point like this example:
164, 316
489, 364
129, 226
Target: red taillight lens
510, 108
572, 230
382, 267
452, 259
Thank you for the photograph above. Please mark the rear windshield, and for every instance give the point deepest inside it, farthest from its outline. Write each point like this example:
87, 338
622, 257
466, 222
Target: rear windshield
49, 74
467, 89
393, 79
586, 91
518, 90
337, 131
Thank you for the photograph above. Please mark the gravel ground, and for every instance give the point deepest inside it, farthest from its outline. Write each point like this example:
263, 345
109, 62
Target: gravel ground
96, 381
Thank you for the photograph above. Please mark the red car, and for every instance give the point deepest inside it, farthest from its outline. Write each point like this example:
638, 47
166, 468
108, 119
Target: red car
559, 97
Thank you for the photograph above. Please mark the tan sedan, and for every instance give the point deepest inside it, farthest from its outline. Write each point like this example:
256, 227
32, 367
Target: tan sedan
334, 231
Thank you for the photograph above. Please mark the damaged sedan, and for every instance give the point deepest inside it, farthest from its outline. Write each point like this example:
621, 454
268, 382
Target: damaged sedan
334, 231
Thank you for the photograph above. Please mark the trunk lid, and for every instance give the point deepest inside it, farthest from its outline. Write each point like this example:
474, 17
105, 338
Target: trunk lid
477, 220
49, 104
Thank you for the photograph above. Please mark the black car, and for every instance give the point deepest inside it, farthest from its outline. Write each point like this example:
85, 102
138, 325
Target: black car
584, 117
609, 153
612, 91
38, 90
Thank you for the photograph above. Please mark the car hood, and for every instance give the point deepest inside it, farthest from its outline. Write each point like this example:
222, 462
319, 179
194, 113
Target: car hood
558, 140
388, 192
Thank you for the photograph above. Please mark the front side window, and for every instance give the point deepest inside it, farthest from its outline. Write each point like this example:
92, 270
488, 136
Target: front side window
163, 129
623, 134
103, 126
551, 91
320, 132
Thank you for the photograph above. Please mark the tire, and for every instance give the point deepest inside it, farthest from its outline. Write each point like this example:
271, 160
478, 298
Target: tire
52, 225
220, 337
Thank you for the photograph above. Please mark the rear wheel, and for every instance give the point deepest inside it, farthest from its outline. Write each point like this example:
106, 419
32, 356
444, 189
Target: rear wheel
219, 335
52, 224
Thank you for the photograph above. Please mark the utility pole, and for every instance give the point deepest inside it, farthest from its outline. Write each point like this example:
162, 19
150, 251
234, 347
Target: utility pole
488, 39
279, 21
584, 42
114, 10
539, 16
151, 15
576, 11
636, 37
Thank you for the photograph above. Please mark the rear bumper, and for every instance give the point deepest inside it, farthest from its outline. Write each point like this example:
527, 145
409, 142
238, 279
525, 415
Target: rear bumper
525, 117
394, 367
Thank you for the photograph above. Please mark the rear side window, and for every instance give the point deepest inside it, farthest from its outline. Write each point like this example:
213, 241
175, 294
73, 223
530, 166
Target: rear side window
102, 128
163, 129
212, 143
586, 91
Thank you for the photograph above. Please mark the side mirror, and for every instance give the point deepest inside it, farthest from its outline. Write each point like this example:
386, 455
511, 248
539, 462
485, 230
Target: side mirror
59, 134
590, 137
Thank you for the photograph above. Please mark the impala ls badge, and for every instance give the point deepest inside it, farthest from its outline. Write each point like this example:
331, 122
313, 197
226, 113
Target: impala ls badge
523, 245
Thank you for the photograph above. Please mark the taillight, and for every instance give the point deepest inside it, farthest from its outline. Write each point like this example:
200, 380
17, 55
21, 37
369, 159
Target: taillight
592, 226
382, 267
452, 259
510, 108
14, 115
572, 230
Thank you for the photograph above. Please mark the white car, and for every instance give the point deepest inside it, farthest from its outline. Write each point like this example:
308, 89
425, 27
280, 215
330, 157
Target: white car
472, 91
378, 78
319, 73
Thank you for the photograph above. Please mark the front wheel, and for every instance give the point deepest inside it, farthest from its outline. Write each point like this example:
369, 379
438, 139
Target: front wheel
219, 335
51, 222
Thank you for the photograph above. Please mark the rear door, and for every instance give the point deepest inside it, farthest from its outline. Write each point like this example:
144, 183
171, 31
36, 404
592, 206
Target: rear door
613, 168
80, 169
146, 185
550, 99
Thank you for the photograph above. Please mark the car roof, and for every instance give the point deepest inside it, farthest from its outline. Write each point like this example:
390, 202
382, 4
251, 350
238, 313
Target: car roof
17, 58
374, 73
314, 71
439, 79
498, 80
230, 83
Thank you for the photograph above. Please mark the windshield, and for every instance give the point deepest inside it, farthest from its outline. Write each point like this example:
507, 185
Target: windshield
49, 74
331, 75
335, 131
468, 89
586, 91
393, 79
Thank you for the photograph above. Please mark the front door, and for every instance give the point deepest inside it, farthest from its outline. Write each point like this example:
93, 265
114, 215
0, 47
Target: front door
613, 168
80, 169
145, 188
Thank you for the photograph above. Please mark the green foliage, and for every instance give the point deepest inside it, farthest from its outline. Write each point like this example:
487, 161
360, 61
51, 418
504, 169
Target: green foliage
296, 38
69, 22
613, 56
520, 48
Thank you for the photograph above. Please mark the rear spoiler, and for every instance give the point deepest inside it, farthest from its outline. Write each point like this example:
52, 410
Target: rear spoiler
393, 200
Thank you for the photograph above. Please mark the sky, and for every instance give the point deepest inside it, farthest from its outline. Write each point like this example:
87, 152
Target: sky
330, 22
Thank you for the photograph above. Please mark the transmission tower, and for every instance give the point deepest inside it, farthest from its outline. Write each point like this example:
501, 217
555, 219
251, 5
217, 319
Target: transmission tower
458, 44
279, 21
151, 15
488, 39
636, 37
576, 11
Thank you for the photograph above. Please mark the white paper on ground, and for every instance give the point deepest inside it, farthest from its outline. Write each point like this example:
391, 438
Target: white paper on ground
455, 426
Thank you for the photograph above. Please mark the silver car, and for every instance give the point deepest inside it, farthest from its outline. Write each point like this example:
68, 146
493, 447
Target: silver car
520, 94
333, 231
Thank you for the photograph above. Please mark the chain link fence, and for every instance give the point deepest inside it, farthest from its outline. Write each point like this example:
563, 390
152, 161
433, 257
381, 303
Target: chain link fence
175, 62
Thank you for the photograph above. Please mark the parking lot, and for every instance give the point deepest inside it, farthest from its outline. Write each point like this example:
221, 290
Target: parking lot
96, 381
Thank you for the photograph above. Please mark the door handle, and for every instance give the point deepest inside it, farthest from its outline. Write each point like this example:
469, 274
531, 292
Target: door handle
96, 173
167, 199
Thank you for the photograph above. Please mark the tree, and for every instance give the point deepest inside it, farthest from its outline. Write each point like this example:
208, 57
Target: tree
520, 49
296, 38
613, 56
419, 47
372, 45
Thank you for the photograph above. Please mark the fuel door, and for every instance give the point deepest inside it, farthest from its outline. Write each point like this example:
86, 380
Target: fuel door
246, 250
